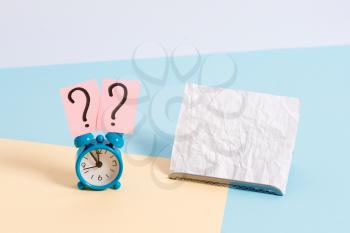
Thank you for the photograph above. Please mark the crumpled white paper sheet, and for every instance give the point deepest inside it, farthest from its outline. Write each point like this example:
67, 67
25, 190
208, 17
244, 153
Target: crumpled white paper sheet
235, 135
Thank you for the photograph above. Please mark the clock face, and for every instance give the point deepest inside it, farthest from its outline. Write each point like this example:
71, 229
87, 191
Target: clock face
99, 167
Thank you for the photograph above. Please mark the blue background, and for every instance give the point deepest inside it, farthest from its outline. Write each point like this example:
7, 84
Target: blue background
317, 198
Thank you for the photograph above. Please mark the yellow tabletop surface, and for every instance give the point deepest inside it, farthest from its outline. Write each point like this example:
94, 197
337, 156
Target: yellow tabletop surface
39, 194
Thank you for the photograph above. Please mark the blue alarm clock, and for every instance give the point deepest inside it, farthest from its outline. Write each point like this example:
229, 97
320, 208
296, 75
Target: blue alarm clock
99, 163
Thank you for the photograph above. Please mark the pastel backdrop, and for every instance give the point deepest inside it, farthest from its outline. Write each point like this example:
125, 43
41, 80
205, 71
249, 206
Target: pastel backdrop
317, 194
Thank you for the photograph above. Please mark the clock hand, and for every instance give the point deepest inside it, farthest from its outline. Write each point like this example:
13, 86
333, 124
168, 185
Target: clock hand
94, 158
89, 167
98, 152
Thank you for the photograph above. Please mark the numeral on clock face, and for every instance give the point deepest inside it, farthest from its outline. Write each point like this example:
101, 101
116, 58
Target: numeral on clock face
114, 163
99, 167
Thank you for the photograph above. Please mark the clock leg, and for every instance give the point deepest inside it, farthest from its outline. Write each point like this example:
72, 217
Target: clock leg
116, 185
80, 185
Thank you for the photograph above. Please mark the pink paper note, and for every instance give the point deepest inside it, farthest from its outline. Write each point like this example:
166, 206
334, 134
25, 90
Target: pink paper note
118, 106
81, 104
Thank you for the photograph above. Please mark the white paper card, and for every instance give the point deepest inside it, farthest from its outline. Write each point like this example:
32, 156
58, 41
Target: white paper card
239, 138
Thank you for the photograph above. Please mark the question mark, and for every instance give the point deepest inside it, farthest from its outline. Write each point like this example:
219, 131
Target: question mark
125, 95
87, 104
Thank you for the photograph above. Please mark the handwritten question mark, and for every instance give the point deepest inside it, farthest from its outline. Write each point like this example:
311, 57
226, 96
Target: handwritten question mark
125, 96
87, 104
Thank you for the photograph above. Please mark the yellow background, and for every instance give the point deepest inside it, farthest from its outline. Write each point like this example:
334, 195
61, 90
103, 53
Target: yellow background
39, 194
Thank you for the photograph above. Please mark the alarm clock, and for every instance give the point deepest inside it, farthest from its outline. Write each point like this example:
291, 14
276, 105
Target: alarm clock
99, 163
